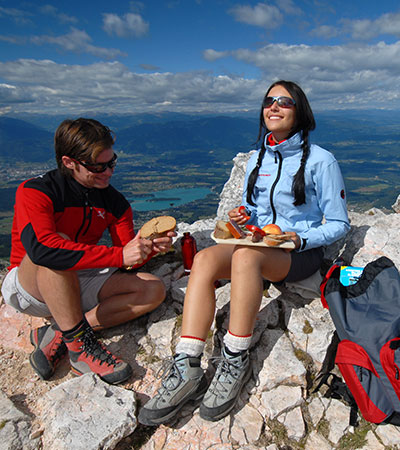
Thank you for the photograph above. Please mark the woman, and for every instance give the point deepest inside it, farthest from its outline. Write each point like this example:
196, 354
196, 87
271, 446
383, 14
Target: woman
289, 182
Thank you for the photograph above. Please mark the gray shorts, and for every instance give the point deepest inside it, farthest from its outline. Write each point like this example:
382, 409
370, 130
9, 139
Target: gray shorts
90, 281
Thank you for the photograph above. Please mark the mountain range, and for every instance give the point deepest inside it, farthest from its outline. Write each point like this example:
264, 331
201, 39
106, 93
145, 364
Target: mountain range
366, 143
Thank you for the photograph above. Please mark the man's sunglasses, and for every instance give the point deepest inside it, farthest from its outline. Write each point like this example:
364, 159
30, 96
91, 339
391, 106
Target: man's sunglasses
283, 102
98, 167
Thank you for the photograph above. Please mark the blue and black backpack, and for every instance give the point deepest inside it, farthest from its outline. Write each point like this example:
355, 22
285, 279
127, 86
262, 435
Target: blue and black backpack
366, 344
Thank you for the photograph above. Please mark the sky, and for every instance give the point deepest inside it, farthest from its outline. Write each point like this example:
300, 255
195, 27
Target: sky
195, 56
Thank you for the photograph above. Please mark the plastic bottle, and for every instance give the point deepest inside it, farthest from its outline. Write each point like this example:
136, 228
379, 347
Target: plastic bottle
189, 249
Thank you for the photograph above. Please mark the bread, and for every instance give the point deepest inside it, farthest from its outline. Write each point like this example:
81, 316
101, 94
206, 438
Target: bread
221, 231
157, 227
236, 231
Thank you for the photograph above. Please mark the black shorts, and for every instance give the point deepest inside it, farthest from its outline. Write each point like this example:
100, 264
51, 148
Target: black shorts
304, 264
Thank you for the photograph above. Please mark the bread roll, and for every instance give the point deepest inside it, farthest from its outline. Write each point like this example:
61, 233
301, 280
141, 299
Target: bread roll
157, 227
221, 230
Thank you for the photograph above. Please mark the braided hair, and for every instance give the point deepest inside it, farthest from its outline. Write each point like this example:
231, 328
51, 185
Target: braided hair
305, 123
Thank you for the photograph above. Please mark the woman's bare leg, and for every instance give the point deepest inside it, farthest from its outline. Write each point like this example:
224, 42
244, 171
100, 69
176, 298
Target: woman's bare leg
209, 265
249, 266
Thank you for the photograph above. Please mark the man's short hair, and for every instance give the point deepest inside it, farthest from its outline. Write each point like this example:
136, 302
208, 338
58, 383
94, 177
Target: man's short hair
81, 139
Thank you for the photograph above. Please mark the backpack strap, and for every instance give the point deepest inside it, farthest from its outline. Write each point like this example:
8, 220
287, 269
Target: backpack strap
323, 284
336, 387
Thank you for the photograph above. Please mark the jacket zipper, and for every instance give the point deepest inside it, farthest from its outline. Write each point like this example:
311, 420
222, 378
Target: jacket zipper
271, 193
84, 218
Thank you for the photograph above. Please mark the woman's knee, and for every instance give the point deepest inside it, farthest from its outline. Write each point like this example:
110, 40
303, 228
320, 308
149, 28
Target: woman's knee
246, 257
209, 262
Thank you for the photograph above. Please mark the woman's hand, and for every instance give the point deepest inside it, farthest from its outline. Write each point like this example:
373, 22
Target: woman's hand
294, 237
239, 215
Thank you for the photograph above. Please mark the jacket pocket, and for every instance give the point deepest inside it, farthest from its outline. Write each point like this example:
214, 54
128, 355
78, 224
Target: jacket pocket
363, 381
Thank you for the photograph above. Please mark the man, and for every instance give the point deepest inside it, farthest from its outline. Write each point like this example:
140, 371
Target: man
57, 268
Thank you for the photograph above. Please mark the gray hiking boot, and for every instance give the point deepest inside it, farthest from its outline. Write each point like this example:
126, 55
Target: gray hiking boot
182, 381
231, 374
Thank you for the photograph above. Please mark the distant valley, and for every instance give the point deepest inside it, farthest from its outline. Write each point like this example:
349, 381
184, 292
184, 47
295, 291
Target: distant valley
168, 151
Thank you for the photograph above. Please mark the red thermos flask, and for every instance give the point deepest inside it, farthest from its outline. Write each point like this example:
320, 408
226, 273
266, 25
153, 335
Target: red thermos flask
189, 249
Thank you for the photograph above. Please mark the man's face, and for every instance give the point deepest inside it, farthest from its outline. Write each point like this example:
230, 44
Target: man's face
89, 179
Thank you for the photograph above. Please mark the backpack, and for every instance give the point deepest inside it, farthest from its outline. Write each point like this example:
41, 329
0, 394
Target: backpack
365, 346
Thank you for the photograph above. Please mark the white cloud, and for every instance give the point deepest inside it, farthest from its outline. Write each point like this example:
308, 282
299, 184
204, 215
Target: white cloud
77, 41
53, 12
328, 72
362, 29
11, 95
213, 55
326, 31
387, 24
261, 15
127, 26
348, 76
290, 8
112, 87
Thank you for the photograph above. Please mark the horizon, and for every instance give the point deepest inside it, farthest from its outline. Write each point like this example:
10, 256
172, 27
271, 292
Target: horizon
196, 56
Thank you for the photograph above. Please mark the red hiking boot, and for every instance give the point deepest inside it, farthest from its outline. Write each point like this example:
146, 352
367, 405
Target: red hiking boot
87, 354
49, 350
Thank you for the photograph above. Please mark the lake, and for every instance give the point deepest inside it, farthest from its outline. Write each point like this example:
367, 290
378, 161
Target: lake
170, 198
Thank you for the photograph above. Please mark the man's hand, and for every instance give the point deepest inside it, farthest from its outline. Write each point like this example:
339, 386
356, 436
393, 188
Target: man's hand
136, 250
163, 244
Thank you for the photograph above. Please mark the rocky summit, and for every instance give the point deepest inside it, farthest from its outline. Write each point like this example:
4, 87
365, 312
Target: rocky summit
278, 408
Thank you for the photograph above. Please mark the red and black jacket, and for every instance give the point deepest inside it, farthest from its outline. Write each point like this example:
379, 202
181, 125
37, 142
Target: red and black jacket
54, 203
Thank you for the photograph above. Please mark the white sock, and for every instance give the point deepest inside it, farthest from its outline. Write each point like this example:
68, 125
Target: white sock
190, 345
236, 343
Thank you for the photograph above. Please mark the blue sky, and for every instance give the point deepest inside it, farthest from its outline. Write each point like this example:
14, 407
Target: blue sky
195, 55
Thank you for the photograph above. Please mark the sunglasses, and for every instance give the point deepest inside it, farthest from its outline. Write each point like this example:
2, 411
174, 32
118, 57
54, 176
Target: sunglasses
283, 102
98, 167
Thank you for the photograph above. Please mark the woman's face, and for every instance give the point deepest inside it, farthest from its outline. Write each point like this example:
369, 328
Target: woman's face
279, 121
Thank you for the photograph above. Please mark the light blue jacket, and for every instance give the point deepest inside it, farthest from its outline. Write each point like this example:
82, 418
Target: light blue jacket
325, 193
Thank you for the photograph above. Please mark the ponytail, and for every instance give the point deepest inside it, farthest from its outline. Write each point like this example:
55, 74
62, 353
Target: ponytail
298, 185
254, 174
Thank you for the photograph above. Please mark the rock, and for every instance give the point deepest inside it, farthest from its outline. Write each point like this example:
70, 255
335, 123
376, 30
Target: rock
277, 408
15, 328
87, 413
15, 427
396, 205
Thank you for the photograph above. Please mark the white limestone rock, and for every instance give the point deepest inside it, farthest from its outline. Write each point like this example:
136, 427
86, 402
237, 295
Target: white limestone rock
87, 413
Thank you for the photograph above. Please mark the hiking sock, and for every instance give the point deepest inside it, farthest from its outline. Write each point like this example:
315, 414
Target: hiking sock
236, 344
76, 330
191, 345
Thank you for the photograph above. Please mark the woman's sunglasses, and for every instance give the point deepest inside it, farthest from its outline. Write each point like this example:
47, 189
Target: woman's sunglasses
98, 167
283, 102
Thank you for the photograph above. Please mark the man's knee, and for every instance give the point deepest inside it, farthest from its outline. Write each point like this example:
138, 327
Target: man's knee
155, 289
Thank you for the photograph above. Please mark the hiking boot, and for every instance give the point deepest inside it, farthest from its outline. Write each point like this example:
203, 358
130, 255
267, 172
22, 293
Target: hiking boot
87, 355
183, 380
231, 374
49, 350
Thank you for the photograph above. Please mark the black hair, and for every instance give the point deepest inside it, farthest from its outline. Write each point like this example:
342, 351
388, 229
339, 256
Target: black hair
305, 123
